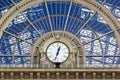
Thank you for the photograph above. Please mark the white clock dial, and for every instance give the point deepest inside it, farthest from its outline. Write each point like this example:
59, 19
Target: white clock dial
57, 52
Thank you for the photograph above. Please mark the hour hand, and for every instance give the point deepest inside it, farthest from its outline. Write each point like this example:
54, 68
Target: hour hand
55, 57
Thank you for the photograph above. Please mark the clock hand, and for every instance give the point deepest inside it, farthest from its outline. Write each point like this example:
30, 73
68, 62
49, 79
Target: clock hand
57, 53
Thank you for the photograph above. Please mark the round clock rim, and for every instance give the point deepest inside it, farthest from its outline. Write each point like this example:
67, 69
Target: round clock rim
62, 43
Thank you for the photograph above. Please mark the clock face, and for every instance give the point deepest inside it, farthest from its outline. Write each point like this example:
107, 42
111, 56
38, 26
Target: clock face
57, 52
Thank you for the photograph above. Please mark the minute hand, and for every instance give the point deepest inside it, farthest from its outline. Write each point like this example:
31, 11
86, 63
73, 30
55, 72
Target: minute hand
57, 52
